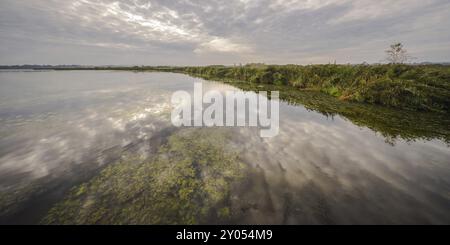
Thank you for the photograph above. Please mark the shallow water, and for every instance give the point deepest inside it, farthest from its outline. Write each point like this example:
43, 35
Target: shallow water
59, 129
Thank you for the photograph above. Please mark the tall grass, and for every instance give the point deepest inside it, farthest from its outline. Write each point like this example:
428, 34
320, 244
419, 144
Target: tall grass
424, 87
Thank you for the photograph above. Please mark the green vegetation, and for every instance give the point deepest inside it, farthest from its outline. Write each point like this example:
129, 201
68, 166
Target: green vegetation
410, 87
187, 182
421, 88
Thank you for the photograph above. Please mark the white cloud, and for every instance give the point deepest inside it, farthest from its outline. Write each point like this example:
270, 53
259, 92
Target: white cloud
222, 45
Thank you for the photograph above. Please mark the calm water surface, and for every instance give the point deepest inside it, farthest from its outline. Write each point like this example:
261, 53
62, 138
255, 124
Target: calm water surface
58, 129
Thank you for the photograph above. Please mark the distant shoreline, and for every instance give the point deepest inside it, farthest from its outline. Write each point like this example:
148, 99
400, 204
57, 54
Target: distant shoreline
416, 87
131, 67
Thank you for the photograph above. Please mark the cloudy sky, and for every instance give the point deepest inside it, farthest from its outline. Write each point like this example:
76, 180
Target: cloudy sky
190, 32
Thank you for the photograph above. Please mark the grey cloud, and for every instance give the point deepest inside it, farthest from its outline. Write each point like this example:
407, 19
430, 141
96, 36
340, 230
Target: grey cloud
205, 32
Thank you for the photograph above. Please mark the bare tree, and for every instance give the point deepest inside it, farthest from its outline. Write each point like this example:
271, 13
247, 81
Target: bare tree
397, 54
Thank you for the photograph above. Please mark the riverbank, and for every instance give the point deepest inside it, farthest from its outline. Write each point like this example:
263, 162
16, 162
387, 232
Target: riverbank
421, 88
408, 87
413, 107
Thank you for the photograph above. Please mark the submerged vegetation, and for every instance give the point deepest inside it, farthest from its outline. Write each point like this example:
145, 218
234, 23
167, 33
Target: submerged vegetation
187, 182
398, 101
391, 123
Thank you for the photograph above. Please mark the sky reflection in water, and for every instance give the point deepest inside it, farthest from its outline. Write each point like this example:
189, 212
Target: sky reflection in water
59, 128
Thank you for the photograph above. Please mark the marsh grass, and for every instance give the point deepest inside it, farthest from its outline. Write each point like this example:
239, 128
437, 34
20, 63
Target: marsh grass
420, 88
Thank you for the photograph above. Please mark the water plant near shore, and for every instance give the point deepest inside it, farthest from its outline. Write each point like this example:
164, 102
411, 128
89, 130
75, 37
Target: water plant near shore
187, 182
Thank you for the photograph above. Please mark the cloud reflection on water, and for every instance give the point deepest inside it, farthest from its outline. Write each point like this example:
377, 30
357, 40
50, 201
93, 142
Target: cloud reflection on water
317, 170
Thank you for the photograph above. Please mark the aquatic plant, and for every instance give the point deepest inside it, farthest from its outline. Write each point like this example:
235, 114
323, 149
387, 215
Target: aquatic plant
187, 182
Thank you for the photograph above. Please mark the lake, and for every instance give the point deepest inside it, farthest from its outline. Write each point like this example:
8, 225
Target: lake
61, 129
